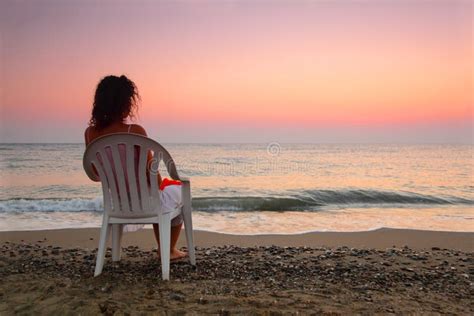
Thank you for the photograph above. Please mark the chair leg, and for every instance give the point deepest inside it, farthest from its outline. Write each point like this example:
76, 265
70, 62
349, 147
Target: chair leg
188, 229
104, 232
188, 221
165, 241
117, 230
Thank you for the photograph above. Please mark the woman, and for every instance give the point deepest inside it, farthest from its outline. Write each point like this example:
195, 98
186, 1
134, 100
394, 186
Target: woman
116, 100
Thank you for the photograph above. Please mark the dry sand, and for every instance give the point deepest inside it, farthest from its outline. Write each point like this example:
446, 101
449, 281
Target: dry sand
384, 271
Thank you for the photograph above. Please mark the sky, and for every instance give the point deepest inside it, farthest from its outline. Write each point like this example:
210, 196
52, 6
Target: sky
243, 71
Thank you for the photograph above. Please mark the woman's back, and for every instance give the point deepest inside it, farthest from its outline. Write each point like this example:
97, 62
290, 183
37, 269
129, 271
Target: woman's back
92, 133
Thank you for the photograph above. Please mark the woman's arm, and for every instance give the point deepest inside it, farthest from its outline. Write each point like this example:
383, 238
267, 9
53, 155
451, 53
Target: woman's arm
87, 141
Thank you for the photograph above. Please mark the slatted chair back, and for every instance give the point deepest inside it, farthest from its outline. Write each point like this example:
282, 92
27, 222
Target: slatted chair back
129, 180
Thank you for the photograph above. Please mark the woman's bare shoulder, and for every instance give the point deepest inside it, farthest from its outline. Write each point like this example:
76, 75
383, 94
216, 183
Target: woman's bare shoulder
137, 129
88, 134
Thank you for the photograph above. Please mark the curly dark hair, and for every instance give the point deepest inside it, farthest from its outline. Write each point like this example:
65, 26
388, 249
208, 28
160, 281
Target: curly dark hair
116, 98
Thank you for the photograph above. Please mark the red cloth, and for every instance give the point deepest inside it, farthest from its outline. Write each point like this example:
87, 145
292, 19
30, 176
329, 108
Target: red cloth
166, 182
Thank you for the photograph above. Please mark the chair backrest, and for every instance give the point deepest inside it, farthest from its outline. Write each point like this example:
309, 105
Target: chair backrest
129, 181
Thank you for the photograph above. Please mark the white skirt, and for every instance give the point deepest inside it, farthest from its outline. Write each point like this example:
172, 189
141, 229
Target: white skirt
171, 198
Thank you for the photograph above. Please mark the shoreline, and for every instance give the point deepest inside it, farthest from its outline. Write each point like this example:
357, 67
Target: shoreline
380, 238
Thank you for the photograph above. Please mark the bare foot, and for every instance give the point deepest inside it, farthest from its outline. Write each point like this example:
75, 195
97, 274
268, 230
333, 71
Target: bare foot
175, 254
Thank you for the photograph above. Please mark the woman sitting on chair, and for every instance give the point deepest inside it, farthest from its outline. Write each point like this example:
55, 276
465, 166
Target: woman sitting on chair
115, 101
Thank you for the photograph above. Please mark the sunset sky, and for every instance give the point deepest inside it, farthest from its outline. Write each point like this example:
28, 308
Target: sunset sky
243, 71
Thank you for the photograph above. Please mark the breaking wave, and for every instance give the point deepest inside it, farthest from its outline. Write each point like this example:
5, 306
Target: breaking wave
310, 200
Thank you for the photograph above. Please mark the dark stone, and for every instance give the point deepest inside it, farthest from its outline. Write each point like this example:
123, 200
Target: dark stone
177, 297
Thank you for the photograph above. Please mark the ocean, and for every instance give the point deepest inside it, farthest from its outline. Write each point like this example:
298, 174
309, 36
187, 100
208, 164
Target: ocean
260, 188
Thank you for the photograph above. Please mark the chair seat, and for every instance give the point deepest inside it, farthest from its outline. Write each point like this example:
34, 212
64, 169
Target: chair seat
143, 220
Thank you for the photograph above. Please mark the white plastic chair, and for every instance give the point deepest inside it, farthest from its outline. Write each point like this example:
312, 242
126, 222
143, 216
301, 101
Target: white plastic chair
141, 203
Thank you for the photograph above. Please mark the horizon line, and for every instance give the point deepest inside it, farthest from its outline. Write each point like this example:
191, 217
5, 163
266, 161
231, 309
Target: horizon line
259, 143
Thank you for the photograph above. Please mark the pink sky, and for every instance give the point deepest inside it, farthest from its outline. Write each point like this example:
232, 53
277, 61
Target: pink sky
243, 71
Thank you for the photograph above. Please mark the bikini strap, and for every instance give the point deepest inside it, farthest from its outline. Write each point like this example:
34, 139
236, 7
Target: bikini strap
129, 127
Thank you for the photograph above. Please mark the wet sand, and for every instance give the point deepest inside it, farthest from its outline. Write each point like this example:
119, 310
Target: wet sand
381, 238
384, 271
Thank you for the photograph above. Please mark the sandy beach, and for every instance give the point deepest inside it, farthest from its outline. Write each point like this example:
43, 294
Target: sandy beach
383, 271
